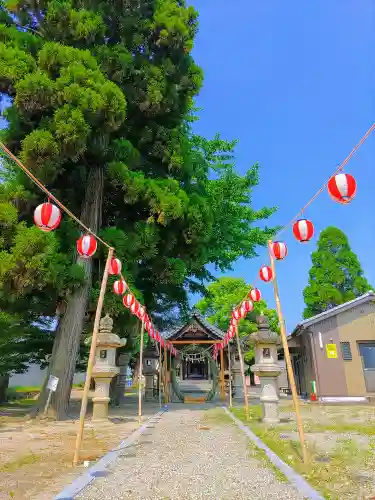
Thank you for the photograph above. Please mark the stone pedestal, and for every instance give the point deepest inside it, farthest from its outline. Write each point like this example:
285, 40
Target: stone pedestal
149, 387
237, 381
101, 398
267, 368
150, 369
105, 367
120, 388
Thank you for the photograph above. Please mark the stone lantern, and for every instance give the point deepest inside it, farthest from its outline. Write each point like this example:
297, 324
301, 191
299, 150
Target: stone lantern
150, 369
267, 368
105, 366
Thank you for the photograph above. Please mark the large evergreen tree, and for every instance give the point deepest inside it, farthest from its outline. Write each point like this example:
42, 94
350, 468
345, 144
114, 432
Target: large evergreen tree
101, 98
336, 275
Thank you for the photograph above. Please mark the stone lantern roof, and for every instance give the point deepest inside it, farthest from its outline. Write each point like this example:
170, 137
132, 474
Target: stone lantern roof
264, 335
150, 352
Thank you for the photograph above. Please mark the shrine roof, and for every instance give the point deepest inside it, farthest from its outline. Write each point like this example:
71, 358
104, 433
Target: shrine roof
210, 330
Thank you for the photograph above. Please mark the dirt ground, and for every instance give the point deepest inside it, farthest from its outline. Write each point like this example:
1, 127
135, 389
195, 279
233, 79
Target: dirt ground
341, 447
36, 455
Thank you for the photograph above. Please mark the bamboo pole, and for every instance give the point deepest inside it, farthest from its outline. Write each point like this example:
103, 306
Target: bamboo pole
160, 370
230, 376
222, 382
165, 375
287, 358
90, 362
242, 366
140, 372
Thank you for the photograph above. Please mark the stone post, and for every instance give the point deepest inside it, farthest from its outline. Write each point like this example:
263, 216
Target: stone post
105, 366
237, 378
120, 387
267, 368
150, 370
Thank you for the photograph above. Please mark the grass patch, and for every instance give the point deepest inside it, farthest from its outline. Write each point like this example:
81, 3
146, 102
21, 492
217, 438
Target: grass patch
335, 474
23, 388
216, 416
261, 456
16, 464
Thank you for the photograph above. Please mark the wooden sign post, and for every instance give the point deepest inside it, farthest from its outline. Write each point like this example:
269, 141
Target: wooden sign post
90, 362
287, 357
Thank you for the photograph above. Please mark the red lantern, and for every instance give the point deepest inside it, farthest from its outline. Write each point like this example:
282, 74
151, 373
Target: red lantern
342, 188
134, 308
266, 274
236, 314
86, 246
233, 322
141, 313
128, 300
119, 287
303, 230
115, 266
47, 217
279, 250
255, 295
247, 305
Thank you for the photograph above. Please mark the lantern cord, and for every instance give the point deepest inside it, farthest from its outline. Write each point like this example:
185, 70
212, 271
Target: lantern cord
319, 192
339, 168
37, 182
50, 195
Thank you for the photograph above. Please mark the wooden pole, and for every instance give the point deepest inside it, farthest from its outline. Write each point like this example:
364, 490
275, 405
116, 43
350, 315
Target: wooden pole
160, 370
242, 366
222, 388
140, 372
230, 376
91, 359
165, 375
287, 357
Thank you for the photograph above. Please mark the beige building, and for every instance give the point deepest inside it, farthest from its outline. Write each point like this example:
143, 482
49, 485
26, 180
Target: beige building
336, 349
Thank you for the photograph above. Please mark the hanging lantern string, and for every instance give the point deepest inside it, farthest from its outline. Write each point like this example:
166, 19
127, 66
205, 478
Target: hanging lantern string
50, 195
318, 193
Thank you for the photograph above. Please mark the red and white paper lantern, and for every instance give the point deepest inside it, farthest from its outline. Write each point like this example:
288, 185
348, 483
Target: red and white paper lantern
134, 308
119, 287
86, 246
255, 295
236, 314
342, 188
128, 300
266, 274
115, 266
303, 230
279, 250
247, 305
47, 217
141, 313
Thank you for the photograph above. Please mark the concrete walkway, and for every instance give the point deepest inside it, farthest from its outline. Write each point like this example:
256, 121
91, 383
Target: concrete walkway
191, 453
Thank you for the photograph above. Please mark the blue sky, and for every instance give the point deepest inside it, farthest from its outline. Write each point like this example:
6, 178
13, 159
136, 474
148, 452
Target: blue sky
294, 82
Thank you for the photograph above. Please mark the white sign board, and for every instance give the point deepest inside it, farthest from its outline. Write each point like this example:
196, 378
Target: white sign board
52, 383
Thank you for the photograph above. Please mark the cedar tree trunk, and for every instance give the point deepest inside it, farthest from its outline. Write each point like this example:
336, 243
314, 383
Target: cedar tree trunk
67, 340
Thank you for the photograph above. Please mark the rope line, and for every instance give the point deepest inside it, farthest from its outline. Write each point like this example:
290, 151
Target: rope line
318, 193
50, 195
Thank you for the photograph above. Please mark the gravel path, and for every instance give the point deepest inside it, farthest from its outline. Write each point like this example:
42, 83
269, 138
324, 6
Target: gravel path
178, 459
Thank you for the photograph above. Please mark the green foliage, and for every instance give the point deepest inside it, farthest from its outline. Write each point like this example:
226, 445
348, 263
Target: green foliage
220, 299
99, 87
336, 275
